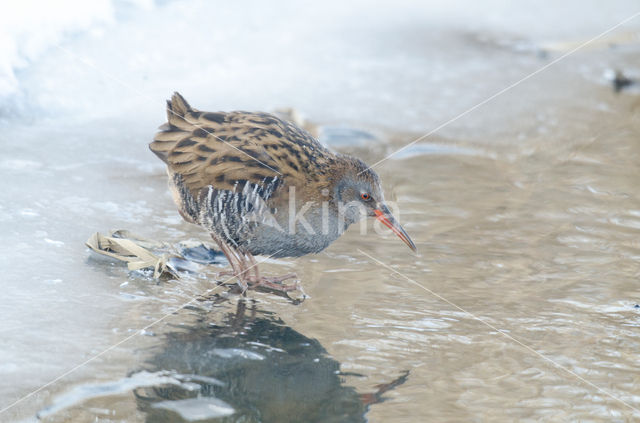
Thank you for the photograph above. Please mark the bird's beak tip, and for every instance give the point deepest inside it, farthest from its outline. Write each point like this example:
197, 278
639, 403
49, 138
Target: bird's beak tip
390, 222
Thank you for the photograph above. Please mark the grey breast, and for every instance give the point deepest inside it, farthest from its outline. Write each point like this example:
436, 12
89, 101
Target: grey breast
281, 237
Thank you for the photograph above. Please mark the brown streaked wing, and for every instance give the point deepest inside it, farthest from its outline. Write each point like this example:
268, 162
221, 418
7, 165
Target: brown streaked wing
220, 149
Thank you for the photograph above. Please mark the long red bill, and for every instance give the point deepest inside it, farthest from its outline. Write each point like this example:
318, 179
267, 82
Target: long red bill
390, 222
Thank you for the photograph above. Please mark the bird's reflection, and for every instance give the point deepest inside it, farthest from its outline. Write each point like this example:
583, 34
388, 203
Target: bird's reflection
251, 367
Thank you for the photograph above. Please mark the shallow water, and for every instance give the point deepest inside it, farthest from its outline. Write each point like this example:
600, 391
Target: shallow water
525, 212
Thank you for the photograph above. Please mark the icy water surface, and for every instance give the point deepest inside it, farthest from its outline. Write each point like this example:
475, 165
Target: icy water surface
526, 214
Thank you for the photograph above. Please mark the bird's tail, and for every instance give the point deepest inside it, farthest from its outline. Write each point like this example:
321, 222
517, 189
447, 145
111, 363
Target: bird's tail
177, 108
176, 128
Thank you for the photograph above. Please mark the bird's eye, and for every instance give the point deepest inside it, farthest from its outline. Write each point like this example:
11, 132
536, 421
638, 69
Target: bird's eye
365, 196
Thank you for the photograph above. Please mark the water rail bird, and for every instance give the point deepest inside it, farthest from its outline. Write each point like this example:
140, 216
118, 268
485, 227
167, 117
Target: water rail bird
263, 186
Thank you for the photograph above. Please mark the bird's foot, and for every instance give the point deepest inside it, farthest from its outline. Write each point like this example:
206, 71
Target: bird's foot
240, 280
279, 279
275, 283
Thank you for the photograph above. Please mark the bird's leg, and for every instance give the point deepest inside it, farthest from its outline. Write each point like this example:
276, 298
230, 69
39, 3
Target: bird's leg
242, 264
234, 261
273, 282
254, 265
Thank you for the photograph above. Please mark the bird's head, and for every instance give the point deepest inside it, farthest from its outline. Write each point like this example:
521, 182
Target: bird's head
359, 193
